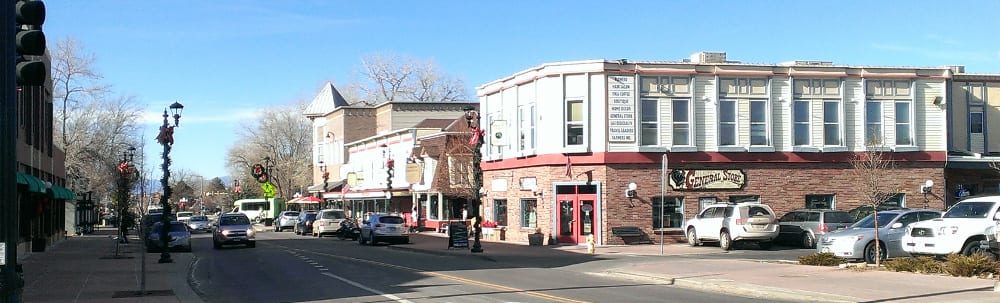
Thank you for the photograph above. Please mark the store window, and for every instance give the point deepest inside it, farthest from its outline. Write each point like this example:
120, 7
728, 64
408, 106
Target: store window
758, 122
704, 202
526, 128
976, 122
500, 212
903, 123
820, 201
873, 123
434, 208
529, 213
667, 212
727, 122
896, 200
650, 124
681, 122
575, 123
744, 198
831, 123
800, 117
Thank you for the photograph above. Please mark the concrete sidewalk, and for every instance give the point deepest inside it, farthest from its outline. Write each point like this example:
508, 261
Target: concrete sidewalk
88, 269
771, 280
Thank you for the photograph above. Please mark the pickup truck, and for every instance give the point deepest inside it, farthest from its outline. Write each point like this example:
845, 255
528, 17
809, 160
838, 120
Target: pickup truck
959, 231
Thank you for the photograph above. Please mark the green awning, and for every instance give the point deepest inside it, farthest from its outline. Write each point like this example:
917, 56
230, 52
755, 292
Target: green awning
62, 193
33, 183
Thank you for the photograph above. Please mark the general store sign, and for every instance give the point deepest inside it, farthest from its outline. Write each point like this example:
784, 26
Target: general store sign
705, 179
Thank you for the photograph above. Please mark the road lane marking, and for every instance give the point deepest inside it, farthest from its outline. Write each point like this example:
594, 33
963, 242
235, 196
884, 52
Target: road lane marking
447, 277
369, 289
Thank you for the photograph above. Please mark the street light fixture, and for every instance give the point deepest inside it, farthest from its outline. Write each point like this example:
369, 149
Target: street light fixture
326, 175
166, 138
124, 170
472, 118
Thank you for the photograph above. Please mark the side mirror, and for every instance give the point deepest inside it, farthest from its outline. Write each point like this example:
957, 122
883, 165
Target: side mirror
896, 225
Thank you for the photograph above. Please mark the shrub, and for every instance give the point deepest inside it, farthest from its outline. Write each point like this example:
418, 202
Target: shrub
926, 265
969, 266
821, 259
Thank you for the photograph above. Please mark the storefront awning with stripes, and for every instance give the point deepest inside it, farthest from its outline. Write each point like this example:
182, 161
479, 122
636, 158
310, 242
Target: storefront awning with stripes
33, 183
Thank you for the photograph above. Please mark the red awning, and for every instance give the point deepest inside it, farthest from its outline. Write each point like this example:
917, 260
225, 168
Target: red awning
305, 200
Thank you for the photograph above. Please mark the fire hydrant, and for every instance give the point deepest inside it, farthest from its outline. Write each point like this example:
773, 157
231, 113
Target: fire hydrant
590, 244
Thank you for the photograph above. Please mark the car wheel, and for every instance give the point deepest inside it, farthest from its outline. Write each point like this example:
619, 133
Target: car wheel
693, 237
725, 242
974, 248
870, 252
276, 228
808, 241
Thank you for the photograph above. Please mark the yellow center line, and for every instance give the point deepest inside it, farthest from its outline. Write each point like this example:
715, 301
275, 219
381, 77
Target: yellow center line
450, 277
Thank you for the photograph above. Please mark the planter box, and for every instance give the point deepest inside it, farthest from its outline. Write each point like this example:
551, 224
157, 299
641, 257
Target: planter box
536, 239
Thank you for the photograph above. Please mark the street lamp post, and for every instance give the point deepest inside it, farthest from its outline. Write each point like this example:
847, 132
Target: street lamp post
166, 138
124, 171
326, 175
472, 118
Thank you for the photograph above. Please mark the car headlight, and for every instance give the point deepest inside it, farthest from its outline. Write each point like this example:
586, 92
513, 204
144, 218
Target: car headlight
250, 232
226, 232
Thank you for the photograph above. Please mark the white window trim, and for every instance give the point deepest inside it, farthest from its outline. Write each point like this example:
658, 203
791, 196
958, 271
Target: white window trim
582, 147
659, 118
912, 124
530, 150
736, 124
881, 121
808, 124
689, 122
767, 125
840, 124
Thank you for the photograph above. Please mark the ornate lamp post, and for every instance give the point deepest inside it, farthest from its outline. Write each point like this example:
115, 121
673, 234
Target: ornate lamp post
124, 174
472, 118
326, 175
166, 138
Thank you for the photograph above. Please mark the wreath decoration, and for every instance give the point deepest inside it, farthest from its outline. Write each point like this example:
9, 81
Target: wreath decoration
259, 174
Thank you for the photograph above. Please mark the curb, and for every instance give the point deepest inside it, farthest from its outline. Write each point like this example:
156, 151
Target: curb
730, 287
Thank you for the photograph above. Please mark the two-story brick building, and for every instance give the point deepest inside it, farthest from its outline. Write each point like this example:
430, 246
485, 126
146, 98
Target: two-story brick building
703, 130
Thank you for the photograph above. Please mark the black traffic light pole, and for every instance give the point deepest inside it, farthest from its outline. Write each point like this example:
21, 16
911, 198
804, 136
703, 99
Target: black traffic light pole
11, 283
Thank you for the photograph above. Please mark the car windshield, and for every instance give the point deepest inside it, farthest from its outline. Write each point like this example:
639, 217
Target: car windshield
333, 215
838, 217
173, 227
292, 214
310, 216
969, 210
234, 220
391, 220
199, 218
869, 221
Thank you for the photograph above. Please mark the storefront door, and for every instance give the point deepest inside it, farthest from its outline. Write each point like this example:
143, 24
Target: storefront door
575, 213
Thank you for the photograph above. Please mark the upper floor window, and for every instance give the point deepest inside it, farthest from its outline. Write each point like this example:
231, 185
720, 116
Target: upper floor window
887, 88
574, 123
800, 121
727, 122
743, 86
873, 123
831, 123
976, 122
903, 123
975, 92
758, 122
526, 128
650, 122
681, 122
817, 87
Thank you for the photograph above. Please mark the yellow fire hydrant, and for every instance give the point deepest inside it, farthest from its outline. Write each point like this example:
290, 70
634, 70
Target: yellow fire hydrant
590, 244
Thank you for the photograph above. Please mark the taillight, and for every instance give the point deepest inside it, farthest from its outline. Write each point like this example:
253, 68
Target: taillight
823, 228
309, 223
741, 221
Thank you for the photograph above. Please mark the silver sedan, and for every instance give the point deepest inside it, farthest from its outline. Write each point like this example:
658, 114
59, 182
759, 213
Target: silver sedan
858, 240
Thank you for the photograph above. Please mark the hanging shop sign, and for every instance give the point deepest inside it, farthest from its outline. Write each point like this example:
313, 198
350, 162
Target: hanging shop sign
707, 179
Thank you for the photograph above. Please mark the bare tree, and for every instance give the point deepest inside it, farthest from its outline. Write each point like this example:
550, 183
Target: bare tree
74, 81
872, 168
281, 134
390, 77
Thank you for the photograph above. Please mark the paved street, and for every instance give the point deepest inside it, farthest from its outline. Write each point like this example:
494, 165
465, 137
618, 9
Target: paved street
288, 268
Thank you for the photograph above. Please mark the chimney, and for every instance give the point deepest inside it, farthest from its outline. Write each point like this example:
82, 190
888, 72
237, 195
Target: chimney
709, 57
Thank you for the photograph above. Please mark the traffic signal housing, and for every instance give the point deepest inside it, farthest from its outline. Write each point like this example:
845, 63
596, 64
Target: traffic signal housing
30, 42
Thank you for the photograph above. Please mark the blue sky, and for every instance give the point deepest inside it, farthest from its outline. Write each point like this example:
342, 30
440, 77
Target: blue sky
226, 60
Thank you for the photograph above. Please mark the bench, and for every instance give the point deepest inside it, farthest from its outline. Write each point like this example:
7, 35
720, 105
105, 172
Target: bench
631, 232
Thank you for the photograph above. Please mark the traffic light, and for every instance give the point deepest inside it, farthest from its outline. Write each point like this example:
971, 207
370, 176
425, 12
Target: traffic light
389, 173
30, 41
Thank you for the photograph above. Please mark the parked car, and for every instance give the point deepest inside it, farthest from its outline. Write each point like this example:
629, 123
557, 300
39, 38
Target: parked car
180, 237
858, 240
860, 212
958, 231
150, 219
383, 228
286, 220
184, 216
730, 223
327, 222
304, 223
199, 224
806, 225
233, 228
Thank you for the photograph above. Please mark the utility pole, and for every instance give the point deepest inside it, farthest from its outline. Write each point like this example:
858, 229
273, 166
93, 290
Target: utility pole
11, 283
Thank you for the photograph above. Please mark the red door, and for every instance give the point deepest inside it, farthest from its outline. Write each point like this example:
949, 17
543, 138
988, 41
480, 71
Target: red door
575, 213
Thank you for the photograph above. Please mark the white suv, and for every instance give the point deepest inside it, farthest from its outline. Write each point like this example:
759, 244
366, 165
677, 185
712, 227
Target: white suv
383, 227
959, 230
726, 223
327, 222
